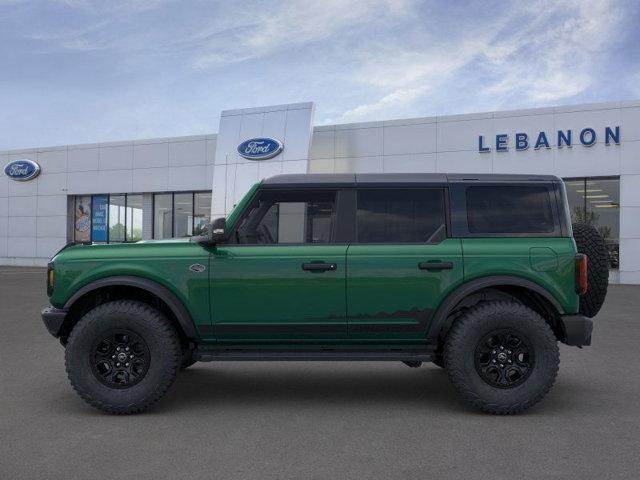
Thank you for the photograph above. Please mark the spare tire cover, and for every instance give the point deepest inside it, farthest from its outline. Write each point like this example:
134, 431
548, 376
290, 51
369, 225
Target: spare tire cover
590, 242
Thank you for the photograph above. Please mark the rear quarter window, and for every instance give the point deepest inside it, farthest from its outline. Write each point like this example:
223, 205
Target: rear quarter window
509, 209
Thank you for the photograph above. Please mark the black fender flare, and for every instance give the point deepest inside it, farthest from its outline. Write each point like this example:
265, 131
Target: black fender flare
167, 296
440, 317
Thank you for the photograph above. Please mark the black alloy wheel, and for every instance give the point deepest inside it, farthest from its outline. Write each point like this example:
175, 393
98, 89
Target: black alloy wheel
504, 358
120, 359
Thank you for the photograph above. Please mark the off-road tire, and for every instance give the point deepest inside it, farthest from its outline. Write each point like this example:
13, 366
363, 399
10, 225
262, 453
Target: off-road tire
187, 359
149, 324
438, 359
590, 242
460, 356
413, 363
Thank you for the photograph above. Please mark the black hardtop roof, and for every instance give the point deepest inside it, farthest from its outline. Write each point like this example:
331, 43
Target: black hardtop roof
369, 179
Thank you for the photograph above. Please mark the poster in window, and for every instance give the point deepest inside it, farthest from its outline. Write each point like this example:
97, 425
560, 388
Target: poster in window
82, 220
99, 208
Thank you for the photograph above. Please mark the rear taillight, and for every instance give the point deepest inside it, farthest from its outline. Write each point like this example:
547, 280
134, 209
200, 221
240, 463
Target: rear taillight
581, 273
50, 278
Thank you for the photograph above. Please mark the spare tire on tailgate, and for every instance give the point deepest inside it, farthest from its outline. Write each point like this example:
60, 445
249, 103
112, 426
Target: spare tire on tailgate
590, 242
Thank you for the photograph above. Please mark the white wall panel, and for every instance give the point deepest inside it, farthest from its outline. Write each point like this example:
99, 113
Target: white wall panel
21, 207
22, 227
630, 191
630, 156
105, 181
117, 157
525, 161
52, 161
52, 226
51, 205
188, 178
52, 183
596, 119
420, 162
188, 153
297, 135
46, 247
22, 189
358, 142
359, 165
150, 180
464, 162
463, 135
322, 144
322, 165
420, 138
580, 161
83, 159
21, 246
211, 150
151, 155
630, 124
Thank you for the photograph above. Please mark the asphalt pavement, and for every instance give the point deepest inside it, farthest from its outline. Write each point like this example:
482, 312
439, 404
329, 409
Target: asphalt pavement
316, 420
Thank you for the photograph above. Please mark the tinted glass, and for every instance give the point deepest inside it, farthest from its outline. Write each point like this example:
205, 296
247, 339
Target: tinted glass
509, 209
400, 216
183, 214
289, 218
162, 215
82, 219
134, 218
596, 202
201, 212
117, 215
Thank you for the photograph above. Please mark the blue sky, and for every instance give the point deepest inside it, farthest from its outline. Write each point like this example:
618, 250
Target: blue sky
76, 71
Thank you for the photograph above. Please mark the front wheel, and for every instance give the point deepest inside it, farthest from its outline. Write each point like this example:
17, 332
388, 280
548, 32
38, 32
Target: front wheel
122, 356
502, 357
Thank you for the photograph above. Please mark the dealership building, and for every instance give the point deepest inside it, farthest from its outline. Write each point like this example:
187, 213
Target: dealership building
171, 187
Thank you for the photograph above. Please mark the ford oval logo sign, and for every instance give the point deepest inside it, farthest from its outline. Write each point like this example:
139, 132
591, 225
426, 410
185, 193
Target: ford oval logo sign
22, 170
260, 148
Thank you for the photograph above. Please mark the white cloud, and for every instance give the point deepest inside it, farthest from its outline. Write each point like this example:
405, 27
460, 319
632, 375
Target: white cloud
254, 33
543, 51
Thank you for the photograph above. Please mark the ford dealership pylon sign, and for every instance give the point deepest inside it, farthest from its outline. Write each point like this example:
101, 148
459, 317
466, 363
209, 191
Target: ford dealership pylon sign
260, 148
22, 170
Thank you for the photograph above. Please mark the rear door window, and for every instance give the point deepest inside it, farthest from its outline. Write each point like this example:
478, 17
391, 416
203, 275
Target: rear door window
509, 209
401, 216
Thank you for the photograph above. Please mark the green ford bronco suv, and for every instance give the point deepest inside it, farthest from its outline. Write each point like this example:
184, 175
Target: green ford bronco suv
480, 274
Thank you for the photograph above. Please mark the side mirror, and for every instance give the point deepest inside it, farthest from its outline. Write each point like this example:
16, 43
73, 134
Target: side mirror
215, 233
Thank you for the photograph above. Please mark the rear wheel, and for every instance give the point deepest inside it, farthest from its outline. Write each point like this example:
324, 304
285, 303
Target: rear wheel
122, 356
590, 242
187, 359
502, 357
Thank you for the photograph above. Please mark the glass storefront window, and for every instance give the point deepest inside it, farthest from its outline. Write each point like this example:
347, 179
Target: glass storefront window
117, 218
82, 219
596, 202
201, 212
104, 218
162, 215
182, 215
134, 218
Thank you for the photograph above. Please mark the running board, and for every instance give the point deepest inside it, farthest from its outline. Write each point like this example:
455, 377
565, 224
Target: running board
314, 355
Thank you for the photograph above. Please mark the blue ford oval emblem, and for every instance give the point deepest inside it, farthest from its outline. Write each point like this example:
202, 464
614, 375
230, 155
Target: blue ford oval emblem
260, 148
22, 170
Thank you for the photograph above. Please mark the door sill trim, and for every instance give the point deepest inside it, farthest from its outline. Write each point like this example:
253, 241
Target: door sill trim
412, 355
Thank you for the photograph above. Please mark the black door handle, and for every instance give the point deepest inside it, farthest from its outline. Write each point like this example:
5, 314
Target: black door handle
319, 267
435, 265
